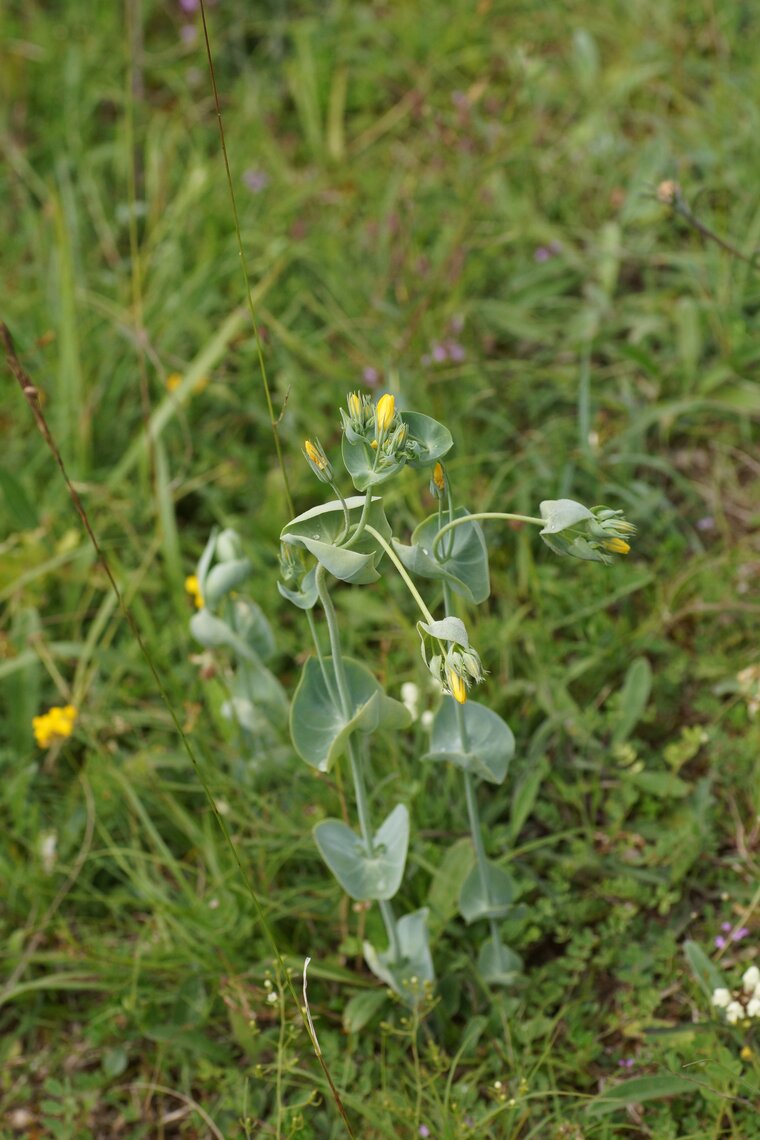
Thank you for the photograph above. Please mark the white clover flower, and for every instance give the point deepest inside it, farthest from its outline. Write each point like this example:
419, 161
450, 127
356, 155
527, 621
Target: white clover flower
734, 1011
751, 979
753, 1007
410, 696
721, 998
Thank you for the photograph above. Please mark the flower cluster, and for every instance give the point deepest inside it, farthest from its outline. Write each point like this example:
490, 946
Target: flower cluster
193, 588
380, 425
454, 664
593, 535
55, 725
742, 1004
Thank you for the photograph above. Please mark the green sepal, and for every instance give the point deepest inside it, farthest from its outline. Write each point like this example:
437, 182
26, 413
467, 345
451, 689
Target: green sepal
363, 876
491, 743
319, 529
433, 439
415, 960
496, 902
461, 556
498, 964
318, 727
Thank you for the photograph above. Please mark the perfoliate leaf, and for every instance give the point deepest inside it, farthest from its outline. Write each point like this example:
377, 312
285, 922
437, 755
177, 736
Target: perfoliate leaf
433, 438
561, 514
461, 554
362, 465
491, 744
498, 964
492, 899
225, 576
448, 629
413, 963
364, 876
306, 597
320, 529
318, 726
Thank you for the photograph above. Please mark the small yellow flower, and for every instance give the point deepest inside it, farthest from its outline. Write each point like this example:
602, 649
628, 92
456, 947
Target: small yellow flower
194, 590
354, 405
173, 381
313, 454
746, 1053
55, 725
438, 477
384, 412
616, 545
457, 686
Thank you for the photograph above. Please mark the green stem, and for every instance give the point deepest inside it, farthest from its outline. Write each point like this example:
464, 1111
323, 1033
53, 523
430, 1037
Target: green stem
476, 829
402, 571
484, 515
362, 523
328, 680
360, 791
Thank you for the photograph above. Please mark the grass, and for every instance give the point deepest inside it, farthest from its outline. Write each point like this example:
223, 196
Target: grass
408, 163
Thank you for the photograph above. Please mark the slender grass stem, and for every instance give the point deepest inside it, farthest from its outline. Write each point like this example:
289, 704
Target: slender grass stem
249, 299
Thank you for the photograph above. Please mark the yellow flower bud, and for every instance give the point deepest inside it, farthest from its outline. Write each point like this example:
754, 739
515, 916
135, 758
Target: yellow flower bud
616, 545
313, 454
457, 686
385, 411
354, 405
438, 477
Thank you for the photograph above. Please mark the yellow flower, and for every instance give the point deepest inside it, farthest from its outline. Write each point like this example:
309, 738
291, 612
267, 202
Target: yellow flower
438, 477
616, 545
746, 1053
313, 454
194, 590
384, 412
354, 405
457, 686
173, 381
55, 725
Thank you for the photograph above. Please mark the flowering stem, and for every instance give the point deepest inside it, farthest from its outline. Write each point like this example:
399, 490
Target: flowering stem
402, 571
473, 815
357, 774
362, 523
484, 515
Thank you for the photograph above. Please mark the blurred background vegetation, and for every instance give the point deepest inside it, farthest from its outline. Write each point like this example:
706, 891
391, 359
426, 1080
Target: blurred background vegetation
456, 202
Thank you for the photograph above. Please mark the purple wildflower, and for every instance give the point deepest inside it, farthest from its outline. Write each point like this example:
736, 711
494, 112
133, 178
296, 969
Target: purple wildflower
189, 5
371, 376
720, 941
541, 254
424, 1130
626, 1063
439, 353
255, 180
742, 932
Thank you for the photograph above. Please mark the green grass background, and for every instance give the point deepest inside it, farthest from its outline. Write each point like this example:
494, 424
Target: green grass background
408, 160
